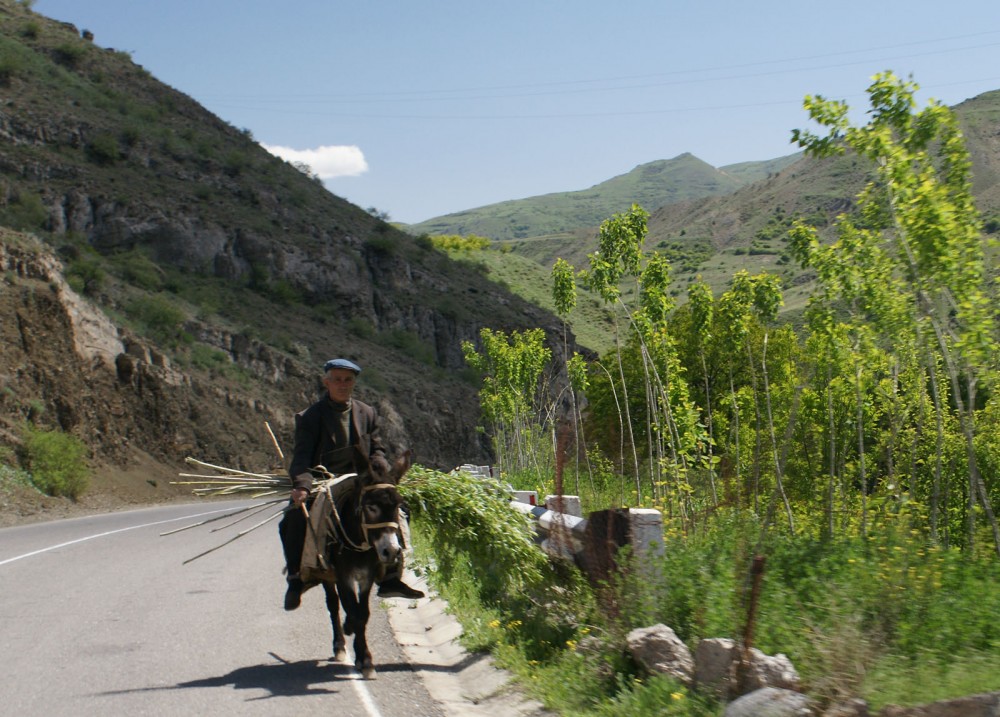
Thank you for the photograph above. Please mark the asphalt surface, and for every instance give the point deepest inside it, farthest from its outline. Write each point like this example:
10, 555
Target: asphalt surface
100, 616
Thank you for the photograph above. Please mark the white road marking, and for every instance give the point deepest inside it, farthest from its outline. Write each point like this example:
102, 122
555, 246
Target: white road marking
110, 532
364, 695
361, 689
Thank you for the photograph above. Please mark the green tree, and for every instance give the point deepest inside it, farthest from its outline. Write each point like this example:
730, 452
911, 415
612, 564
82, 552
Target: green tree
513, 393
922, 208
564, 293
619, 255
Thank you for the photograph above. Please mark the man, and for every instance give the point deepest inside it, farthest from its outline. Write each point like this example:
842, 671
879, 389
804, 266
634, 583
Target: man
327, 434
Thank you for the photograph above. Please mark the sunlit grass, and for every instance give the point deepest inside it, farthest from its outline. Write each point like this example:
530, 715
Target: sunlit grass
891, 619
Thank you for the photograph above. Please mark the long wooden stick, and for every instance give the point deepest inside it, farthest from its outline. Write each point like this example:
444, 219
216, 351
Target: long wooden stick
215, 481
220, 517
235, 537
274, 441
267, 479
232, 471
250, 514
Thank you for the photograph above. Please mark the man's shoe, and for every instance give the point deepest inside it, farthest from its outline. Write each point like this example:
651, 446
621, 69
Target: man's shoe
396, 588
293, 595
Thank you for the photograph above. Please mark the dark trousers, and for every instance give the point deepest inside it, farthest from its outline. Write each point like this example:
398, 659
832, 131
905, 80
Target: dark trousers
292, 530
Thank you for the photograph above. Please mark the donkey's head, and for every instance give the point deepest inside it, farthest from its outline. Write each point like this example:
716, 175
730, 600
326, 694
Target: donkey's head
378, 507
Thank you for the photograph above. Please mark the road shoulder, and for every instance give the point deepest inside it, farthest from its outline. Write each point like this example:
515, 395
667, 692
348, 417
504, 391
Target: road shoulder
465, 684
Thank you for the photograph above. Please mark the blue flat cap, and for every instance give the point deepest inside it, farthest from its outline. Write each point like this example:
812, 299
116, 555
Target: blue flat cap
342, 363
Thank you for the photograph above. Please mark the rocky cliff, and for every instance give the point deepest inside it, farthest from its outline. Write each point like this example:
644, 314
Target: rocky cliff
187, 285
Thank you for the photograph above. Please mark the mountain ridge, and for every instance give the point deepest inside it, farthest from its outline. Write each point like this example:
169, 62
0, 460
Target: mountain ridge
651, 184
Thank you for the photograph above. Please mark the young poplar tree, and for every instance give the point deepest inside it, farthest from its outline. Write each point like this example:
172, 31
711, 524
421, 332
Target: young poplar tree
564, 296
932, 233
619, 255
512, 395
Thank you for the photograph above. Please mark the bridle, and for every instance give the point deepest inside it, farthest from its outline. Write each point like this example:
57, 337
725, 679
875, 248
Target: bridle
365, 525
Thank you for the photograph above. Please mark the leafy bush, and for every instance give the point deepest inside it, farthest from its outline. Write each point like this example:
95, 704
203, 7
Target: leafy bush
69, 54
284, 292
85, 276
158, 316
383, 244
235, 162
457, 242
208, 357
10, 65
103, 149
57, 462
27, 212
362, 328
410, 344
140, 270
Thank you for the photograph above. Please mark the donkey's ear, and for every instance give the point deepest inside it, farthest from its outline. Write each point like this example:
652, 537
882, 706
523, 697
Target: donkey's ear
401, 465
379, 466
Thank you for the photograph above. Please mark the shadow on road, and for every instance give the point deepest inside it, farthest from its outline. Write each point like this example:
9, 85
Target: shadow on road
282, 678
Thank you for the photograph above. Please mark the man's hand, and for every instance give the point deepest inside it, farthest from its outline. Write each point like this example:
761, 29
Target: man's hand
299, 495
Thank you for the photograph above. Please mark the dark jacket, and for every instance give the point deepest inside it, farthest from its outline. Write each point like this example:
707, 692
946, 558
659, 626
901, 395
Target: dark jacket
315, 440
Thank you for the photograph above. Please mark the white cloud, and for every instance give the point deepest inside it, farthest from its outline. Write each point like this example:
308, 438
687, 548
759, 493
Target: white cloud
328, 161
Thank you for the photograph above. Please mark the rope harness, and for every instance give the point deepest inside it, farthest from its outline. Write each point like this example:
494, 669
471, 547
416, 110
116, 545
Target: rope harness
365, 525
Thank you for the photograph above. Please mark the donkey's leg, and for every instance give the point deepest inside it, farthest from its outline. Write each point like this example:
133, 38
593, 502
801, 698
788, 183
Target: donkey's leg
362, 657
333, 607
354, 597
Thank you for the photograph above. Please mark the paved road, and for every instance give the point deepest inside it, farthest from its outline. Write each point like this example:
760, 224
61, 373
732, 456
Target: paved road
98, 616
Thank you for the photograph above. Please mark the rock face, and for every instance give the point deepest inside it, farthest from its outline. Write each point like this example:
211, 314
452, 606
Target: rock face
65, 363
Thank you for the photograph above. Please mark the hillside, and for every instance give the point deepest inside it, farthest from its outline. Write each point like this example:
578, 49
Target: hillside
715, 236
222, 277
650, 185
747, 228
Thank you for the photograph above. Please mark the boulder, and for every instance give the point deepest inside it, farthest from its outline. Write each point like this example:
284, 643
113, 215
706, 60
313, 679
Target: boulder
771, 702
658, 650
716, 662
986, 704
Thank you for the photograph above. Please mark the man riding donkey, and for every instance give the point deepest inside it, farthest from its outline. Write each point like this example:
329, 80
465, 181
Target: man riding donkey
330, 433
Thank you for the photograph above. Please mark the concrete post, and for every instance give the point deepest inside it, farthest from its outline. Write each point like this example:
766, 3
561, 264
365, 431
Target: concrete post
568, 504
646, 531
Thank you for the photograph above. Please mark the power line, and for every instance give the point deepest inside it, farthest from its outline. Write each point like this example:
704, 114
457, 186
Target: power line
684, 77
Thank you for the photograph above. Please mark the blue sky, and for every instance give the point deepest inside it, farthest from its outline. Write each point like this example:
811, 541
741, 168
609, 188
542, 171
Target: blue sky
425, 108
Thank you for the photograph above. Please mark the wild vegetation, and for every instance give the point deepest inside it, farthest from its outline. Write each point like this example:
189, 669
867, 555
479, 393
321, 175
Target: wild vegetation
857, 455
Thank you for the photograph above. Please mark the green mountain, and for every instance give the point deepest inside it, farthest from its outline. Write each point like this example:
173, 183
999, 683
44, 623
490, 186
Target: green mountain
651, 185
713, 237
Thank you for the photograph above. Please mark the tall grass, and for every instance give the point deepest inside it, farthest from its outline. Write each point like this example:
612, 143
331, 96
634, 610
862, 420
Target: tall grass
891, 618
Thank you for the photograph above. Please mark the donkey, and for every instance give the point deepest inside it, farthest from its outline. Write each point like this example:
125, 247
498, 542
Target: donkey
363, 541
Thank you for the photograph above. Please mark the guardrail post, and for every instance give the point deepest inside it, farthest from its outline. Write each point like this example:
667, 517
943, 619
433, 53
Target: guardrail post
569, 504
646, 532
525, 496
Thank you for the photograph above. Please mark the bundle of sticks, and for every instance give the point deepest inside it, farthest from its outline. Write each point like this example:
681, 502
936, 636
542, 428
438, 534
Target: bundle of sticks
225, 481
